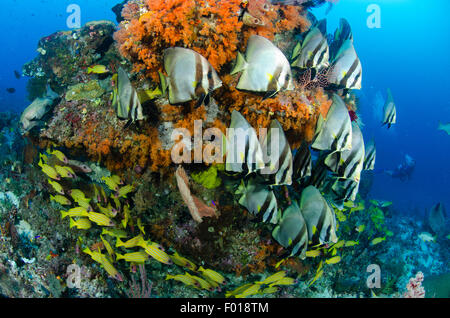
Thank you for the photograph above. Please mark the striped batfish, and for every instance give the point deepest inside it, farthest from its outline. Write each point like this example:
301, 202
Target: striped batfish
346, 69
125, 99
390, 112
318, 174
189, 76
243, 148
343, 190
313, 52
342, 34
369, 159
277, 156
348, 164
335, 131
302, 162
264, 68
319, 217
291, 232
259, 199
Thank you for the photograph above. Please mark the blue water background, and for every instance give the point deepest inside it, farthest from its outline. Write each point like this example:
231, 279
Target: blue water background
409, 54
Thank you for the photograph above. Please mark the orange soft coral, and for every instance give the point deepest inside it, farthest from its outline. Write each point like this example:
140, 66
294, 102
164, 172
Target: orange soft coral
209, 27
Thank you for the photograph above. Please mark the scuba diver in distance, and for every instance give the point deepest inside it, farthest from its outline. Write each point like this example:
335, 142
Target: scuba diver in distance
404, 170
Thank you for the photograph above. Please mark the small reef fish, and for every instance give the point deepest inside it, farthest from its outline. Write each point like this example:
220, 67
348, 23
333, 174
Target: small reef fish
333, 260
56, 186
264, 68
109, 268
117, 233
292, 232
58, 154
48, 170
78, 195
272, 278
111, 183
133, 242
313, 253
78, 211
126, 216
186, 279
140, 226
189, 76
182, 261
351, 243
125, 99
148, 94
313, 51
360, 228
370, 154
108, 247
427, 237
302, 166
202, 282
444, 127
65, 172
283, 281
60, 199
155, 251
213, 275
250, 291
81, 224
97, 69
319, 274
238, 290
335, 131
100, 219
377, 240
123, 191
116, 202
339, 244
270, 290
134, 257
389, 110
95, 255
108, 211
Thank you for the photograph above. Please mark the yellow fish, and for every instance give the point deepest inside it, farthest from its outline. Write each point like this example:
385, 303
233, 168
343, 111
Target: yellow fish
155, 251
360, 228
78, 195
56, 186
351, 243
238, 290
185, 279
60, 199
81, 224
95, 255
100, 219
79, 211
58, 154
284, 281
135, 257
123, 191
109, 181
64, 172
85, 205
377, 240
181, 261
108, 211
48, 170
108, 247
148, 94
116, 179
269, 290
280, 262
116, 202
126, 216
97, 69
252, 290
338, 244
140, 226
273, 278
133, 242
114, 232
213, 275
318, 275
313, 253
333, 260
109, 268
202, 283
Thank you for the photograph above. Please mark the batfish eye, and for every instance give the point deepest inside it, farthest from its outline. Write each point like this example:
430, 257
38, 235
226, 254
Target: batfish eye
266, 7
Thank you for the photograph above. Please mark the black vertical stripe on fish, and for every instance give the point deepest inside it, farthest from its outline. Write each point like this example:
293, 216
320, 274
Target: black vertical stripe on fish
355, 80
211, 83
302, 162
199, 90
299, 238
310, 62
273, 84
352, 69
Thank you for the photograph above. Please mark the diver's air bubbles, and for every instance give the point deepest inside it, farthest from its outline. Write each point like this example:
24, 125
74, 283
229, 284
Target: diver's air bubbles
74, 19
374, 19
